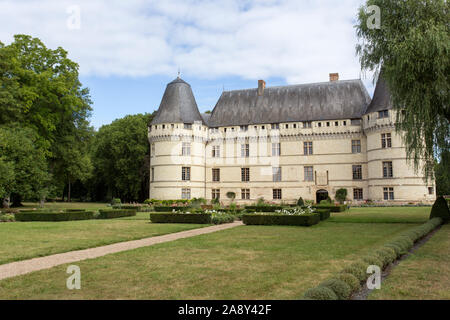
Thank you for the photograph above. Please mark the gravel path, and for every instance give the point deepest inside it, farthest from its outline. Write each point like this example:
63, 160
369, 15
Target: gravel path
23, 267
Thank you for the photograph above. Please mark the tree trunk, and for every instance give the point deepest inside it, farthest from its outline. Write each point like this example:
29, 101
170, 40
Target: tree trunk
68, 193
5, 203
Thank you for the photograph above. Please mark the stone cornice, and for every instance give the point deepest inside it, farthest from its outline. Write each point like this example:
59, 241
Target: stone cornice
379, 128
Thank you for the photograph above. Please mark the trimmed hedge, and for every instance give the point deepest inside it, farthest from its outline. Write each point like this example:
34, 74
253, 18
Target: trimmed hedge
440, 210
320, 293
284, 220
339, 287
54, 216
199, 218
112, 213
354, 274
332, 208
74, 210
264, 208
222, 218
167, 209
324, 213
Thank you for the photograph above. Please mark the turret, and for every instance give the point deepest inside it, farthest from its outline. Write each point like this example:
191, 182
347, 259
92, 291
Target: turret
177, 137
391, 176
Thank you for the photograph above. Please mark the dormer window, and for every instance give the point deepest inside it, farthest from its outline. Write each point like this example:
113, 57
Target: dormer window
275, 126
383, 114
188, 126
244, 128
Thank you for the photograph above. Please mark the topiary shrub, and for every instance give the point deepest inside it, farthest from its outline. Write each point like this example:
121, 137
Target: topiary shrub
349, 279
394, 246
300, 202
341, 195
386, 255
339, 287
358, 269
320, 293
373, 260
440, 210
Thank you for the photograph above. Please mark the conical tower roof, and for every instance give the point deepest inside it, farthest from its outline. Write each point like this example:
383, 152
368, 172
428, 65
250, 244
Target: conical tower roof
178, 104
381, 97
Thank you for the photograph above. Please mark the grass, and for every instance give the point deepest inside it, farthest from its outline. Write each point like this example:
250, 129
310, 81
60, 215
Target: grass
383, 215
424, 275
248, 262
25, 240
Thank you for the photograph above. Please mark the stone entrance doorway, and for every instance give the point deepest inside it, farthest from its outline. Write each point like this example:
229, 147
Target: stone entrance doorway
321, 195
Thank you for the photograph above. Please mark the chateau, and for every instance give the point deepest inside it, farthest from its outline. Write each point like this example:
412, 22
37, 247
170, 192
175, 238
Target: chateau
282, 143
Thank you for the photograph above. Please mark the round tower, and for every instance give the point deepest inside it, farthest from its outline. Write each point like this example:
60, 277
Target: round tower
177, 137
391, 177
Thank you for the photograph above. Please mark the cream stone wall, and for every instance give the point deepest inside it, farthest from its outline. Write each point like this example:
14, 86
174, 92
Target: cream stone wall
332, 161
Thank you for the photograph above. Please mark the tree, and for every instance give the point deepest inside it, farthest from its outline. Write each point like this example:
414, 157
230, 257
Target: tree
40, 90
341, 195
25, 165
442, 174
411, 47
120, 158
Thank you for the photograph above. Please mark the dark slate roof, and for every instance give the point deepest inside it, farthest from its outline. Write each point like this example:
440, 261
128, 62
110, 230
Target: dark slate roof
381, 97
178, 104
307, 102
206, 117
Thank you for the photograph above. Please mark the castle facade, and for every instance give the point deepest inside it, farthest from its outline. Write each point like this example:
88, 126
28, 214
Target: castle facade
282, 143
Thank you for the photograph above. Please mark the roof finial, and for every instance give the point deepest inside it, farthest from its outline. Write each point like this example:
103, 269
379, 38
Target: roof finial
179, 73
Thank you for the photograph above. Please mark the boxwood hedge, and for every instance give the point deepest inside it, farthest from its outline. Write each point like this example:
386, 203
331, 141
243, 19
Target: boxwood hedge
264, 208
320, 293
54, 216
199, 218
112, 213
339, 287
285, 220
324, 213
332, 208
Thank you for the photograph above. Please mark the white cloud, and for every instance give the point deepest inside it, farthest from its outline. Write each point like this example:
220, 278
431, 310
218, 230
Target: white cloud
300, 41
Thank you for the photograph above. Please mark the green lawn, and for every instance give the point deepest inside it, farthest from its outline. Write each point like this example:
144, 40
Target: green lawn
248, 262
383, 215
423, 275
25, 240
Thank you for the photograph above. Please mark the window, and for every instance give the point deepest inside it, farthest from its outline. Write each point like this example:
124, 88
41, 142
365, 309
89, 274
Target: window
386, 141
215, 193
309, 174
383, 114
387, 169
336, 124
188, 126
276, 172
245, 150
430, 190
153, 150
344, 123
277, 194
245, 194
186, 149
216, 151
164, 126
388, 193
185, 173
287, 126
295, 126
357, 172
357, 194
263, 127
245, 174
355, 122
307, 148
172, 126
185, 193
153, 174
275, 126
244, 128
307, 124
328, 124
216, 175
276, 149
319, 124
356, 146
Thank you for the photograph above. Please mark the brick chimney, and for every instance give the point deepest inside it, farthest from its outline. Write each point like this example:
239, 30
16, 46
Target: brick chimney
334, 77
261, 87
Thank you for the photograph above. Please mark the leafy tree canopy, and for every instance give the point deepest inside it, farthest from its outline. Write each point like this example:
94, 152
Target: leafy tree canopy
412, 49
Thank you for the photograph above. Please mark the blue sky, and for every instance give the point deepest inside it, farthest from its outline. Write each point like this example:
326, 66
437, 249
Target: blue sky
129, 50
